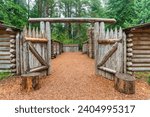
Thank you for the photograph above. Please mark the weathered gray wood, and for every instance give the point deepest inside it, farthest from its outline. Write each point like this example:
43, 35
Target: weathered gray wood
96, 37
30, 82
141, 56
13, 66
36, 54
129, 40
108, 54
29, 31
124, 53
73, 20
129, 63
129, 44
141, 60
13, 51
48, 35
39, 69
138, 69
129, 50
18, 67
129, 54
107, 70
13, 60
125, 83
21, 52
143, 47
4, 39
42, 28
141, 65
13, 41
26, 57
144, 52
102, 49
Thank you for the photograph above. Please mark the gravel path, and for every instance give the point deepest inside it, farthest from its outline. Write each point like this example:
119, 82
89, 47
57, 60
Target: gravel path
72, 78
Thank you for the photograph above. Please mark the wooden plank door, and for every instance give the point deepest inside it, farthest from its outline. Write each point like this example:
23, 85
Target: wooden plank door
35, 52
109, 51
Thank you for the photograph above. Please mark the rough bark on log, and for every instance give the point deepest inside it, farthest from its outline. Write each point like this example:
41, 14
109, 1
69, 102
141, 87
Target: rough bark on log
72, 20
124, 83
30, 82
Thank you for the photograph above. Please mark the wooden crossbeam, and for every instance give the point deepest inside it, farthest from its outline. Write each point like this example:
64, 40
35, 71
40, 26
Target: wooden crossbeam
36, 54
40, 40
108, 54
72, 20
107, 70
108, 41
38, 69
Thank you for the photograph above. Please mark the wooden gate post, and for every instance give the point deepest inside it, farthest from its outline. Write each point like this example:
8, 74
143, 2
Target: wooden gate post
96, 37
48, 34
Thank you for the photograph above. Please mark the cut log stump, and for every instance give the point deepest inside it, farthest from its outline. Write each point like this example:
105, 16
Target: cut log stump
124, 83
30, 82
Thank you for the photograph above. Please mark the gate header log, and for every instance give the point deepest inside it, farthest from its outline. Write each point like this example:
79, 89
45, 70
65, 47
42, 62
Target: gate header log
72, 20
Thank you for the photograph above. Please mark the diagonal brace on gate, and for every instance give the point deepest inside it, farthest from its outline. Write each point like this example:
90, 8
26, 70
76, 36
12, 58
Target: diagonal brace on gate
37, 55
108, 55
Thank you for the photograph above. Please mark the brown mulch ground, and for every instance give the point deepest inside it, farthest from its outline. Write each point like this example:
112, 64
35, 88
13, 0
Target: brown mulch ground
72, 78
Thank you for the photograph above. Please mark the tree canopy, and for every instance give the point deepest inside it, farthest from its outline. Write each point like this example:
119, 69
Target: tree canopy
126, 12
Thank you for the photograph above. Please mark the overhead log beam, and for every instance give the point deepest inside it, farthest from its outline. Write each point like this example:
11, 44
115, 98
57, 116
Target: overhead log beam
72, 20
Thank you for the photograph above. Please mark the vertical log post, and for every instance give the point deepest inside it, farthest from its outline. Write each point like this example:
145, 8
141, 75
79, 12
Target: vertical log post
30, 82
96, 37
18, 61
48, 34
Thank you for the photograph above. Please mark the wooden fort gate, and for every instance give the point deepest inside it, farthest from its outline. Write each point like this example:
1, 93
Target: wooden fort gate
34, 50
110, 51
37, 46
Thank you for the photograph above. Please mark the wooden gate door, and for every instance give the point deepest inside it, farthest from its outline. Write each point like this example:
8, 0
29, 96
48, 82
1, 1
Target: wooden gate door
34, 51
110, 51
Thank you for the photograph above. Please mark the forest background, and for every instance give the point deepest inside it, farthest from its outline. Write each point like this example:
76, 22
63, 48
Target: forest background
126, 12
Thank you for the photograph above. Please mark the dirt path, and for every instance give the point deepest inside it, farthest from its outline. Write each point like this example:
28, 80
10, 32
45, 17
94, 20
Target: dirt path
72, 78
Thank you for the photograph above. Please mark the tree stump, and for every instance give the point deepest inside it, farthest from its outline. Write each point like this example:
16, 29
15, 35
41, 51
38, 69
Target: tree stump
125, 83
30, 82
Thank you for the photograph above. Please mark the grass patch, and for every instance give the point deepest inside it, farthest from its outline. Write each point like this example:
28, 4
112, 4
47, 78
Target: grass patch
148, 80
144, 76
4, 75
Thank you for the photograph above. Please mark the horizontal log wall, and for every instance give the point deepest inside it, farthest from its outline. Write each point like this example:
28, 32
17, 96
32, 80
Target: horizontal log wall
138, 50
7, 52
71, 48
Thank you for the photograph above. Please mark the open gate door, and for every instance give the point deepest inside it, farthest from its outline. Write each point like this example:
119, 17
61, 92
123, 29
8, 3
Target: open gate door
110, 51
35, 50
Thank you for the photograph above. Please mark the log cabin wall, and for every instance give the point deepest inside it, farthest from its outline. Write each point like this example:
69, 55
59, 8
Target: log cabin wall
9, 37
70, 48
138, 48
